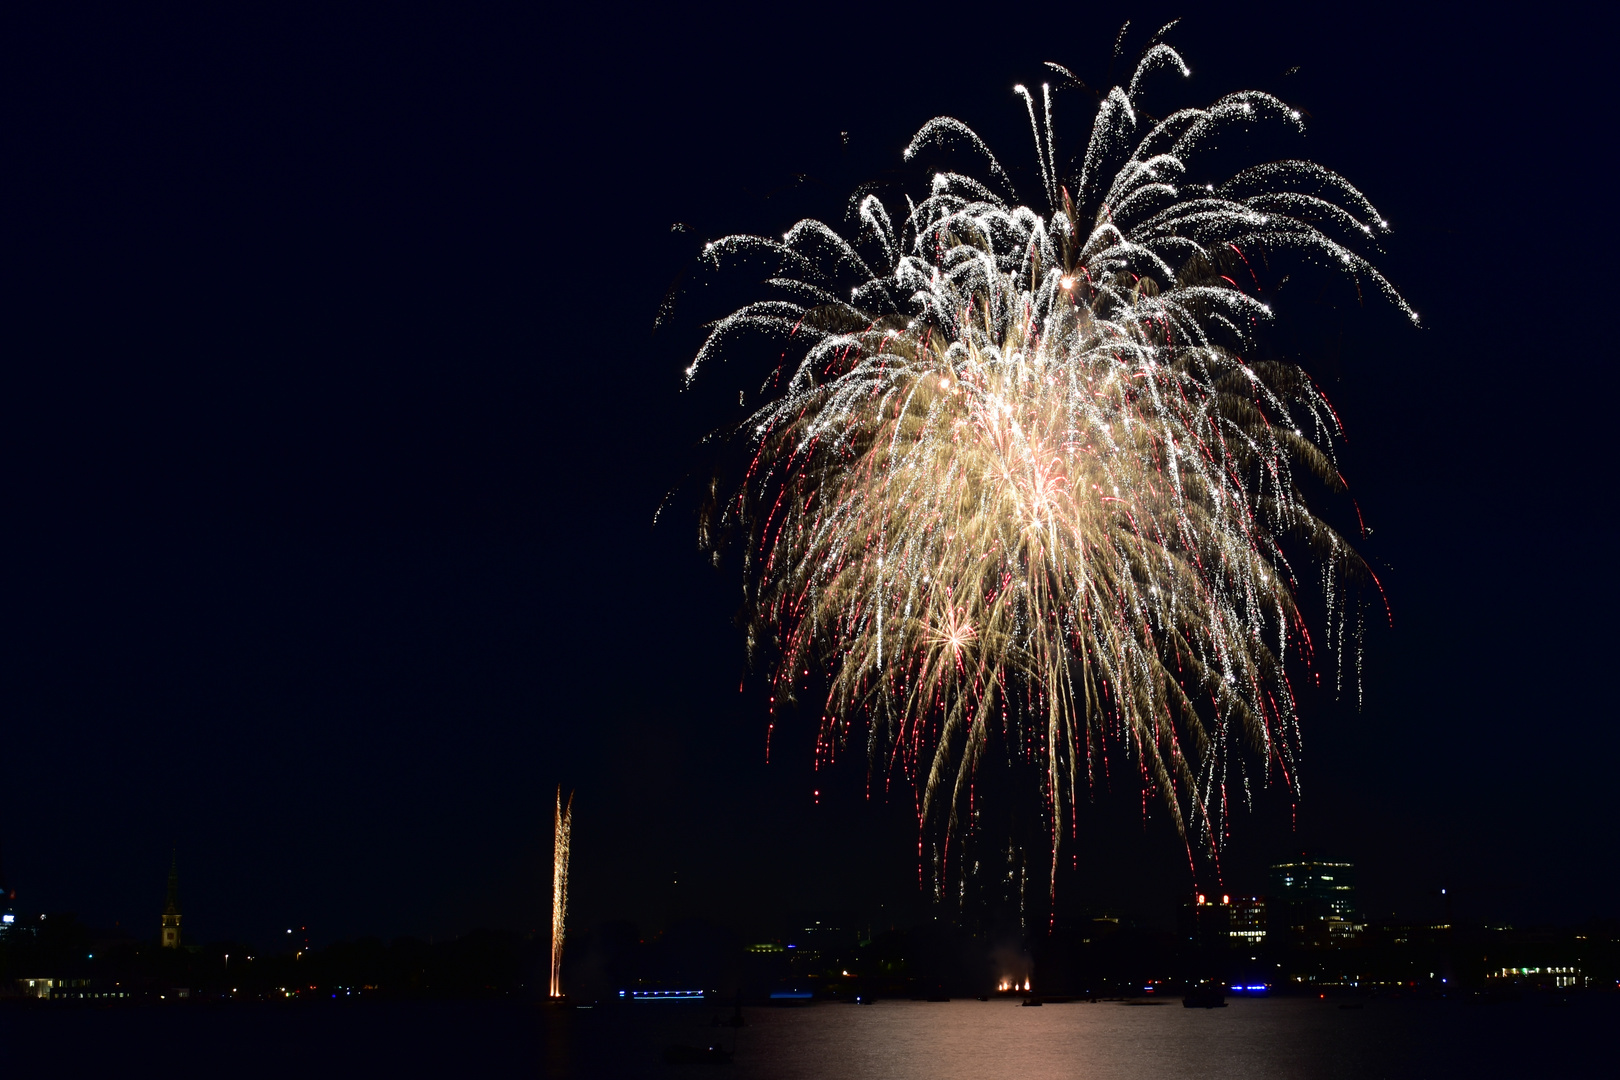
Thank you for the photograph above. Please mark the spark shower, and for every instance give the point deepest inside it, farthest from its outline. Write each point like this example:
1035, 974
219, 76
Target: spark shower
563, 828
1026, 480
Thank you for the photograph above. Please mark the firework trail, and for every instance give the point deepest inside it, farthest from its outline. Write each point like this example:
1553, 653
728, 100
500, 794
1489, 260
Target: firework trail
559, 886
1022, 484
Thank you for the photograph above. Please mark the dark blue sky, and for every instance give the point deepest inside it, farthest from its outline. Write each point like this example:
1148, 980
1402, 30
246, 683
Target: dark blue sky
333, 427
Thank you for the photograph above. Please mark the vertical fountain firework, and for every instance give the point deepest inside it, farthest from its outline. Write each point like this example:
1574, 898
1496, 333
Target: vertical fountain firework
559, 886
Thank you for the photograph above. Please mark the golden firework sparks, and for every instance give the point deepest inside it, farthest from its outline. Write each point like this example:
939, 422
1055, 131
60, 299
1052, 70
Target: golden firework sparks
1021, 472
563, 828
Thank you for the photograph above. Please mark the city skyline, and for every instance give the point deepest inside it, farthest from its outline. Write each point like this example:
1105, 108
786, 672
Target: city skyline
1297, 880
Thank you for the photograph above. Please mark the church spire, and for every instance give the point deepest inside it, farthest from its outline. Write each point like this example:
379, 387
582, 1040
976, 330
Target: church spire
171, 909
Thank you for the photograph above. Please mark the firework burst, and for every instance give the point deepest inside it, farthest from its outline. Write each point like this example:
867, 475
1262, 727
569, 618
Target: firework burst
1022, 481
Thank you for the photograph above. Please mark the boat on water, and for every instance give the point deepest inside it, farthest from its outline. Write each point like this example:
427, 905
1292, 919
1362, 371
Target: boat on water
1205, 996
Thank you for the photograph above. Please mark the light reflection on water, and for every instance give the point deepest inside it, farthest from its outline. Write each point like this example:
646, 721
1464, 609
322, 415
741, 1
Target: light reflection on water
892, 1040
959, 1040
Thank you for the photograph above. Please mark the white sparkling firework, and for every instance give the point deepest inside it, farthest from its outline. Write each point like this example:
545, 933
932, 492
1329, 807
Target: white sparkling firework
1022, 477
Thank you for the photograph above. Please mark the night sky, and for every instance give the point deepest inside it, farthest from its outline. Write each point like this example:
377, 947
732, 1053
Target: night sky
334, 426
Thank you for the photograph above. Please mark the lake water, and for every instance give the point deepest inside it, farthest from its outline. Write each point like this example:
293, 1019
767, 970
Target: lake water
1251, 1039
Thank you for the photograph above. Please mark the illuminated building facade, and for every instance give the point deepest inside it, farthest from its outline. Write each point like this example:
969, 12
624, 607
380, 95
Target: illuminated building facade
1544, 977
1247, 922
1313, 903
1320, 889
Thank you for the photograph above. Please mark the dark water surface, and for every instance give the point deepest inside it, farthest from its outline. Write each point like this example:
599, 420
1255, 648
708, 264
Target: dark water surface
1251, 1039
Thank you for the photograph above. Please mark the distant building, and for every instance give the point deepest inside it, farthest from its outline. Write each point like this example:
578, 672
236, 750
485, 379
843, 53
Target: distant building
829, 944
1313, 902
1248, 923
8, 907
1206, 921
1554, 977
171, 909
1320, 890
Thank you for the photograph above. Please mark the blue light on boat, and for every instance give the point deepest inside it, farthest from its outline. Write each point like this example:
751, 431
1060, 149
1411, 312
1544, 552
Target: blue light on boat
664, 995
